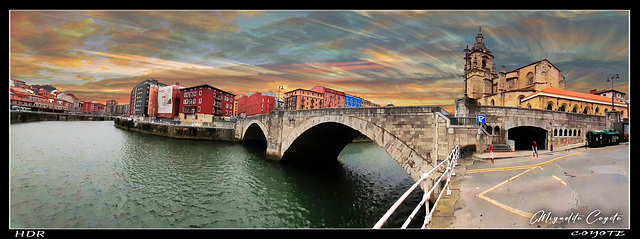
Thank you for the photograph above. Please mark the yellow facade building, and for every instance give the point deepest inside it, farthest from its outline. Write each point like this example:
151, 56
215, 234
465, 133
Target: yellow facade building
539, 85
300, 99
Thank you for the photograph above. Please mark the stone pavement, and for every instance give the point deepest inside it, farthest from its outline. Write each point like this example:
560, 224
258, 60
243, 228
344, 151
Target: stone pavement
443, 216
449, 208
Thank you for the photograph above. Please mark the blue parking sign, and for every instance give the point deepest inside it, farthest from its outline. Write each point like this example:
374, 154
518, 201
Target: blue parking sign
481, 119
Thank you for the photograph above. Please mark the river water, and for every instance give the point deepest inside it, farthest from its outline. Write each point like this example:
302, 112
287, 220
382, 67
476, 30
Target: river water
92, 175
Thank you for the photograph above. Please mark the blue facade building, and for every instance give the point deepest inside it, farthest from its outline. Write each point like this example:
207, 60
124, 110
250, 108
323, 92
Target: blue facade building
351, 101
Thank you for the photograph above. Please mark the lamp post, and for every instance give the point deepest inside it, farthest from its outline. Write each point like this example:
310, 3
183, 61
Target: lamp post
278, 99
615, 77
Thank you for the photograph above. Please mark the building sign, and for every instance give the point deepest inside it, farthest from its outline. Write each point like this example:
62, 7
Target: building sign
165, 101
481, 119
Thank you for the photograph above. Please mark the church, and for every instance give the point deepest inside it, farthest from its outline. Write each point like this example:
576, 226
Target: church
538, 85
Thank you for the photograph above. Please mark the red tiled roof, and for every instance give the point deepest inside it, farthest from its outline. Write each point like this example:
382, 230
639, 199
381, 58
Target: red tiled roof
572, 94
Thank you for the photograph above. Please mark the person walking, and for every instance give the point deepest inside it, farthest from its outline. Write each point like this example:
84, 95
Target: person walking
534, 147
492, 153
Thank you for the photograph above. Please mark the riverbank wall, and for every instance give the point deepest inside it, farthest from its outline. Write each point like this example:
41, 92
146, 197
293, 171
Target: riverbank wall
176, 131
23, 116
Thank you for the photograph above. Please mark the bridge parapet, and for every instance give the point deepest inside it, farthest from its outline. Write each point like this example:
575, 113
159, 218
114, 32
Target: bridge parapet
417, 137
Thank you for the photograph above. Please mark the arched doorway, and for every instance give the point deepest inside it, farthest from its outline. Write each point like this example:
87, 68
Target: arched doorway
525, 135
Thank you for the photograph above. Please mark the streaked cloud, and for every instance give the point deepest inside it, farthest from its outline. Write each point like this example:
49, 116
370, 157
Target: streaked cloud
399, 57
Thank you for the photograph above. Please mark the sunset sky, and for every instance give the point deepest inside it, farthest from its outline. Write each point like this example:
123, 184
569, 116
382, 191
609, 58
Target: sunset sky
399, 57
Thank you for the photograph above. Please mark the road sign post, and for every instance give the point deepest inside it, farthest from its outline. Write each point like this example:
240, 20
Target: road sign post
481, 119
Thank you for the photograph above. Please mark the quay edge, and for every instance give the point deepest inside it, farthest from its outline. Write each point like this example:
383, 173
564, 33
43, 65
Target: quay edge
177, 131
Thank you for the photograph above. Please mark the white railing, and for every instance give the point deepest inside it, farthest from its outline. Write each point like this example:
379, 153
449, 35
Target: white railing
450, 163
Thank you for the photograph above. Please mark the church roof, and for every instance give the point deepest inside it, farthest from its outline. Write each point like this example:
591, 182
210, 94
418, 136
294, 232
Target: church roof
533, 63
572, 95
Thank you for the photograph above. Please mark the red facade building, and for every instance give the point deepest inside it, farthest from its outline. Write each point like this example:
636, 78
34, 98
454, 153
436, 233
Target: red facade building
332, 98
93, 107
253, 104
198, 104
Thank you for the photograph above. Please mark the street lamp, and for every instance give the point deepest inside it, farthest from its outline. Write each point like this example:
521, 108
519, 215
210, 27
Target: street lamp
278, 99
615, 77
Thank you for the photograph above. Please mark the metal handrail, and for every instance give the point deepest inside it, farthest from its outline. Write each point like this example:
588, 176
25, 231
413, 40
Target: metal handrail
451, 161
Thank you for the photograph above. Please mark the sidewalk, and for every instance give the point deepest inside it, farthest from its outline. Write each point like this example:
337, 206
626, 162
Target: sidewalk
521, 153
518, 158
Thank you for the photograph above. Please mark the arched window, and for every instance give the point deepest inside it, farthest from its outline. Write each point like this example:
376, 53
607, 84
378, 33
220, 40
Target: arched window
562, 108
586, 110
569, 132
493, 102
530, 78
575, 109
574, 132
550, 106
555, 132
496, 130
565, 132
579, 132
597, 111
520, 99
489, 129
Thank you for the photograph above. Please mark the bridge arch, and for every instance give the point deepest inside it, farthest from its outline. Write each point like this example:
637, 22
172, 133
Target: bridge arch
255, 131
316, 134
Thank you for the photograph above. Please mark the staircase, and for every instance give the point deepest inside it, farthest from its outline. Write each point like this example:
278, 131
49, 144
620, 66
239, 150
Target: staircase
500, 148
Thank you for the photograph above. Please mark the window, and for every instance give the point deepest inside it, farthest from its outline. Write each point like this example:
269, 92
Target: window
530, 78
200, 101
198, 108
562, 108
199, 93
555, 132
185, 94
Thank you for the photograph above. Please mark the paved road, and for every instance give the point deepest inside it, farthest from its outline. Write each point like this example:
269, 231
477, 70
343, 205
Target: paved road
584, 188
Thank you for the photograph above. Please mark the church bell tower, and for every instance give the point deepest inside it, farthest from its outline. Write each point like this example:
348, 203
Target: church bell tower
479, 70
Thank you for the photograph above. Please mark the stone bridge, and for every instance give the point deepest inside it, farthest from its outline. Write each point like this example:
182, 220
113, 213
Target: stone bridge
416, 137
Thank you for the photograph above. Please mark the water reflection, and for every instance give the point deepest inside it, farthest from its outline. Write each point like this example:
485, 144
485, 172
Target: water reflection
91, 174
